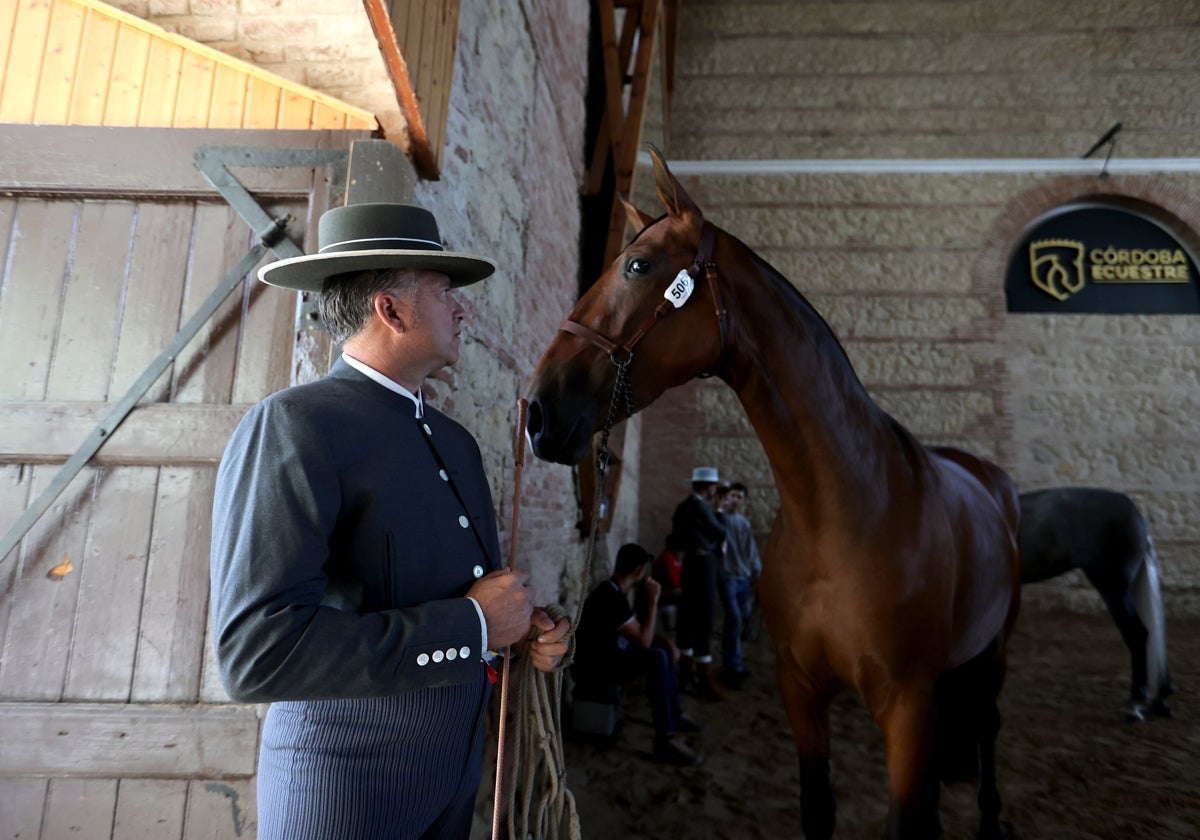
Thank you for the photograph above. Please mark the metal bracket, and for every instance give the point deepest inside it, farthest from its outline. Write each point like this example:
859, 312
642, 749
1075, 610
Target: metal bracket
214, 162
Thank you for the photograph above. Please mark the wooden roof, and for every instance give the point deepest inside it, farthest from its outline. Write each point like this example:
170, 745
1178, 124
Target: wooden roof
82, 62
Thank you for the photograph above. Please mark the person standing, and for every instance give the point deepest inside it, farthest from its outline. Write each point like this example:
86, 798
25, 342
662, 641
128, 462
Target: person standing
357, 583
698, 535
740, 568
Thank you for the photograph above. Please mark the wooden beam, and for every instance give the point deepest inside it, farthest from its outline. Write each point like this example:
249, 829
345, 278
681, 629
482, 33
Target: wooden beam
419, 150
160, 434
117, 740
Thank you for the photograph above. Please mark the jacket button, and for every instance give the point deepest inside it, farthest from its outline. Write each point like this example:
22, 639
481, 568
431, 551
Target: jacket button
451, 654
428, 430
463, 521
438, 656
423, 659
464, 652
442, 475
477, 571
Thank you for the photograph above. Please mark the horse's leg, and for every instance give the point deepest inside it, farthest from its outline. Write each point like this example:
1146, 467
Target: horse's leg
907, 722
808, 713
1134, 633
993, 664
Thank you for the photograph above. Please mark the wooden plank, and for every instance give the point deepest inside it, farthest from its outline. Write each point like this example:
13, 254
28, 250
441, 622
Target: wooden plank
94, 161
195, 92
112, 573
324, 117
8, 24
443, 78
116, 740
211, 689
58, 63
295, 111
80, 808
97, 46
164, 66
268, 327
221, 810
149, 809
130, 64
262, 104
24, 61
81, 364
174, 608
24, 802
160, 434
228, 98
268, 337
37, 261
14, 498
153, 291
203, 372
33, 661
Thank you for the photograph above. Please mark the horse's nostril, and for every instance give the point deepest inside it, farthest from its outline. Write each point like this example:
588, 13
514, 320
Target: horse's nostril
533, 420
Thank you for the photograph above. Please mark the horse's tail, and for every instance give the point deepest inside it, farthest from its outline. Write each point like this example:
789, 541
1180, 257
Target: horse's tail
1147, 601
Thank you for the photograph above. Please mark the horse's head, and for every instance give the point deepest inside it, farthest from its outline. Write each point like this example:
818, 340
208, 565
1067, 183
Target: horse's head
654, 316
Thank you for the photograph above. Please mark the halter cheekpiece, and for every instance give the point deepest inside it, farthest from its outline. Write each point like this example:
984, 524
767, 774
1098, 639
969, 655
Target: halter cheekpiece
702, 265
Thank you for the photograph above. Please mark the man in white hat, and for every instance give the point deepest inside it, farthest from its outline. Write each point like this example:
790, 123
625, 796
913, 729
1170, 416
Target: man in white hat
698, 535
357, 583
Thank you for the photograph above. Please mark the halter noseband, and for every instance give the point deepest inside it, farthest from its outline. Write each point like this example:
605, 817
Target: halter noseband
701, 264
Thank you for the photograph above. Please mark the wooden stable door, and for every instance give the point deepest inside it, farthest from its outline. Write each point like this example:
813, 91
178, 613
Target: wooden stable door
112, 720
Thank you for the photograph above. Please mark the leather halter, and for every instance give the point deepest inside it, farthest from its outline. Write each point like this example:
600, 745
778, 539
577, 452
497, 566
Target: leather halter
701, 264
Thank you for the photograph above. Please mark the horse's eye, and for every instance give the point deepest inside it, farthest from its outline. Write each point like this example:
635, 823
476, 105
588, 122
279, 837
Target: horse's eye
637, 267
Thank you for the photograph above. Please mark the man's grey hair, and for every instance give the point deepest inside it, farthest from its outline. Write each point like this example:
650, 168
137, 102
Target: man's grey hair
347, 300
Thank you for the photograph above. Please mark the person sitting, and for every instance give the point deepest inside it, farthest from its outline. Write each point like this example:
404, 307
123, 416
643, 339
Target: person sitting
614, 645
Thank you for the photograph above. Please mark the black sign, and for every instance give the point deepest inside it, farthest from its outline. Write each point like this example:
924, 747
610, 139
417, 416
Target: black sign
1097, 258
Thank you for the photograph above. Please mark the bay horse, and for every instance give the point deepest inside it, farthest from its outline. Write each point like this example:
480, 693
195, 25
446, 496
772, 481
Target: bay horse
1104, 535
891, 567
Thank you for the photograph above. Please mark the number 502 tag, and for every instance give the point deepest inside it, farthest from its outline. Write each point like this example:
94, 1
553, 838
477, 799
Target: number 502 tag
680, 289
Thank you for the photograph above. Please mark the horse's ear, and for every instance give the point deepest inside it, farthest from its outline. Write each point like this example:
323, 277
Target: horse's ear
672, 194
636, 217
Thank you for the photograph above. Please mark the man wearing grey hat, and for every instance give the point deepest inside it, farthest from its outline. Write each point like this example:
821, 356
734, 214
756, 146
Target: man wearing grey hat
357, 582
699, 536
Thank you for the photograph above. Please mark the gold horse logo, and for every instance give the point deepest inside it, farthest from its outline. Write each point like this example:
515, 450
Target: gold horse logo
1056, 266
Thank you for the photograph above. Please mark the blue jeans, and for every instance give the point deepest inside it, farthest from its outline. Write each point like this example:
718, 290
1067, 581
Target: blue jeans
735, 598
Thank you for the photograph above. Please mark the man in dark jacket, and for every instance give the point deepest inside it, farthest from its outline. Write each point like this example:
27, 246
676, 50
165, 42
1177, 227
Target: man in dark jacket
699, 535
356, 572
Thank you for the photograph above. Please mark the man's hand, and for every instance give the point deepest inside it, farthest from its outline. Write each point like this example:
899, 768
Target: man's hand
547, 648
653, 589
505, 599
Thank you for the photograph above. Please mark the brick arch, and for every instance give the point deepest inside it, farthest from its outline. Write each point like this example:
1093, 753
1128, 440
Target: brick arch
1154, 195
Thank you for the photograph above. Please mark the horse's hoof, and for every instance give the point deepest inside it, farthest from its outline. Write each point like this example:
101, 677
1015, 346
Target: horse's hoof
1133, 712
1159, 708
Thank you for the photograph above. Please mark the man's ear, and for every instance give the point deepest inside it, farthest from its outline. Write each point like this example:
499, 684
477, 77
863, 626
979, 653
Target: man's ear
393, 311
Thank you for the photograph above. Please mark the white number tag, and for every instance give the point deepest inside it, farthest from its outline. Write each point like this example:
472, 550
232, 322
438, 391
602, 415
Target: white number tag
680, 289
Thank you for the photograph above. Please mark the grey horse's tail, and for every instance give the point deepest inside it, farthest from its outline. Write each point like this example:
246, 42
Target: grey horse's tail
1147, 600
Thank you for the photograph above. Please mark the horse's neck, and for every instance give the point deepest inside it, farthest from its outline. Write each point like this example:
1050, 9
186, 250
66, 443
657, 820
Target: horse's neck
818, 426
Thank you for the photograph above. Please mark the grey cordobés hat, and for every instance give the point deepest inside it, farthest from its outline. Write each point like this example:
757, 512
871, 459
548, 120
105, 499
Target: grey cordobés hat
359, 237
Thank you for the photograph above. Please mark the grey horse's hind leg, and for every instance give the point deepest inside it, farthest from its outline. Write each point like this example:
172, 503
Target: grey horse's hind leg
1134, 633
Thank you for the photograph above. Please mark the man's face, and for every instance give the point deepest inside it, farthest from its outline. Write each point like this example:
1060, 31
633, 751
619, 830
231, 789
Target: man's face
734, 500
436, 320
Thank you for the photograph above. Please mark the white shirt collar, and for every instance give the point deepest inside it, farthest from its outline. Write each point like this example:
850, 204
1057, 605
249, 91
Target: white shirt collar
370, 372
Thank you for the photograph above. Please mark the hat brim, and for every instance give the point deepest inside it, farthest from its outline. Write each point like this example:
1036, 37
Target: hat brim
308, 273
